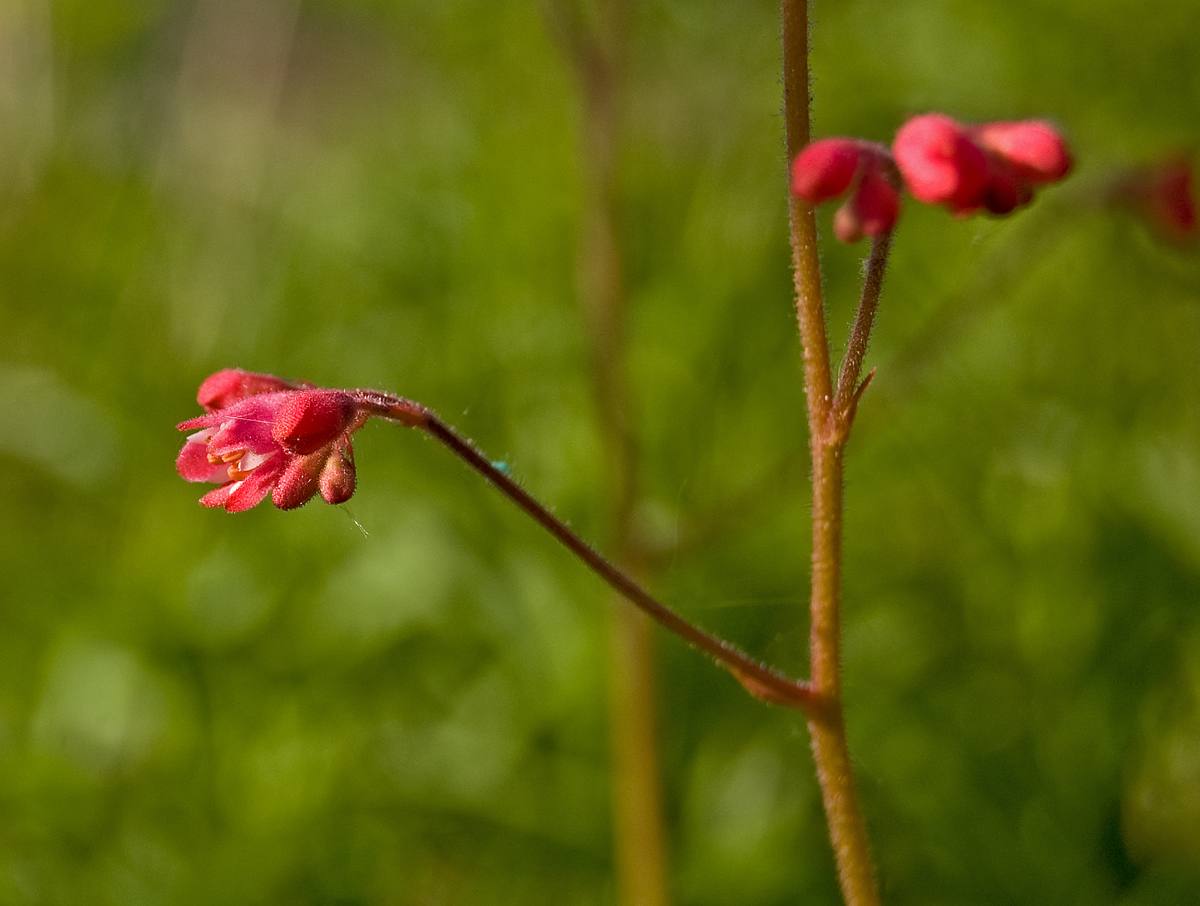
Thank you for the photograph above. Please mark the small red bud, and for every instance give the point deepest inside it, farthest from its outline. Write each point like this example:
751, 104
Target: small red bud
338, 479
940, 163
832, 166
298, 482
1163, 194
1004, 192
876, 203
1034, 149
825, 169
995, 166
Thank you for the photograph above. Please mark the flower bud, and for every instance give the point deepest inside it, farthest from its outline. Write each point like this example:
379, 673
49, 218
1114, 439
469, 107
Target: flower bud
995, 166
940, 163
313, 418
338, 479
1163, 195
1032, 149
825, 169
298, 482
833, 166
873, 208
1003, 192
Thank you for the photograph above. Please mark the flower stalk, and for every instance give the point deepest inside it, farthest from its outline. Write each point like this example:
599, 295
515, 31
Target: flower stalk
826, 723
256, 433
762, 680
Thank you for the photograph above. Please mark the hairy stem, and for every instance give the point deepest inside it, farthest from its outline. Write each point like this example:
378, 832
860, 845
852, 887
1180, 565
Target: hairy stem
806, 265
720, 650
761, 680
847, 830
849, 389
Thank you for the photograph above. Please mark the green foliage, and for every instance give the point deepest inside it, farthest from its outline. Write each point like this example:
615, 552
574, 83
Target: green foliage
404, 702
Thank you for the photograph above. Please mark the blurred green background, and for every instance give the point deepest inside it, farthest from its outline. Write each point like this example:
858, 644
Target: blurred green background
402, 701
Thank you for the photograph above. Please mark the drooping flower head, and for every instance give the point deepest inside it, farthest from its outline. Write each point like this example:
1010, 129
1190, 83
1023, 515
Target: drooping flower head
263, 435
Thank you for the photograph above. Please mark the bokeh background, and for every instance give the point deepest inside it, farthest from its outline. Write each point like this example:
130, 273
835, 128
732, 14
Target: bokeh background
402, 701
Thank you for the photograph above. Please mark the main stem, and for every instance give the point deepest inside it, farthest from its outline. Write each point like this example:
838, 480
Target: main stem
831, 752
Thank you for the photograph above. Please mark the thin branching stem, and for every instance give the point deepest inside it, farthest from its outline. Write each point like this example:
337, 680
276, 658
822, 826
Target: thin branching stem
849, 390
760, 679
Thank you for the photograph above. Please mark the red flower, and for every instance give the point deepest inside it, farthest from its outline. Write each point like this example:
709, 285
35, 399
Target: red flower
994, 166
831, 167
264, 435
874, 206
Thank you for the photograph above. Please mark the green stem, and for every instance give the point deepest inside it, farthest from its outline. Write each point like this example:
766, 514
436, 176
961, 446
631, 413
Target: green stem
597, 49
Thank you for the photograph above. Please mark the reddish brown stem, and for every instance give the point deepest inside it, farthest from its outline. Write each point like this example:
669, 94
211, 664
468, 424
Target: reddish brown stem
761, 680
827, 439
849, 390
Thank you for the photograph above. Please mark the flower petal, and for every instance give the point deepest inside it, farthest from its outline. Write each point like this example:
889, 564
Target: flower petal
193, 463
247, 425
225, 388
219, 496
254, 487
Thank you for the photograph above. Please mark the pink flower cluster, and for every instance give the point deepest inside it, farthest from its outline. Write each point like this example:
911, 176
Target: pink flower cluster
995, 167
263, 435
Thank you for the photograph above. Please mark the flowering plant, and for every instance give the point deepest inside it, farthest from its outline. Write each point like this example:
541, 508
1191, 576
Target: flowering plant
262, 435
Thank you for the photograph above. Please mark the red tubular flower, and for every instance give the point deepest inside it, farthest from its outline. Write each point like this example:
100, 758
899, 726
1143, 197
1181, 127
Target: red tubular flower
831, 167
311, 419
264, 435
994, 166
